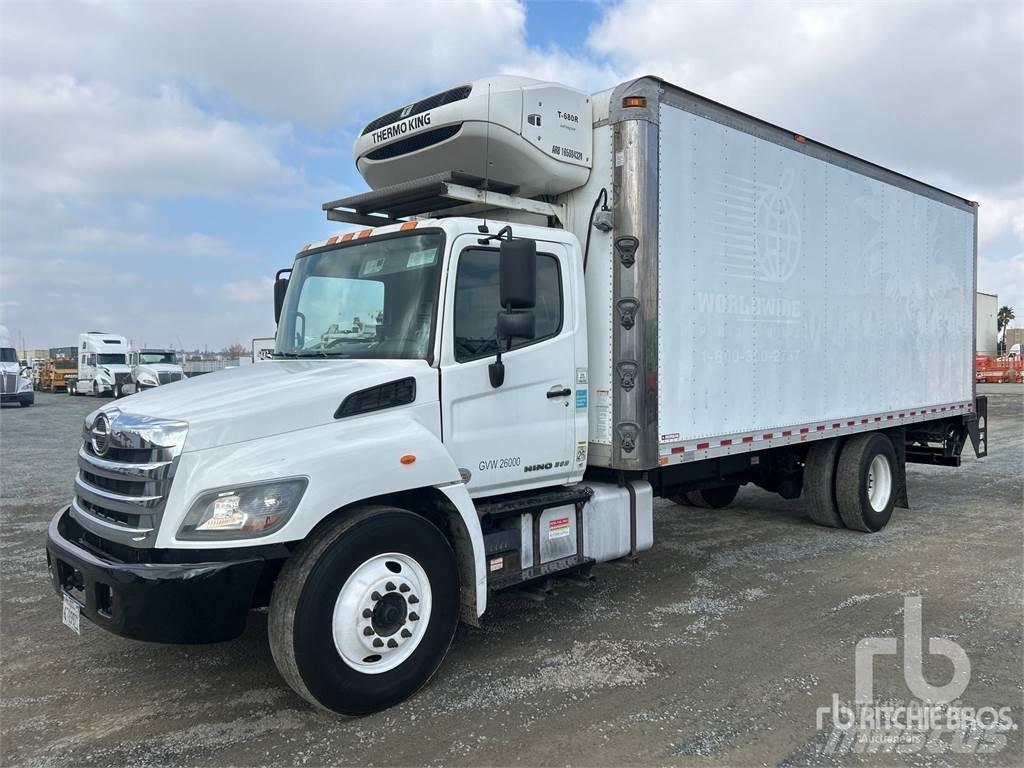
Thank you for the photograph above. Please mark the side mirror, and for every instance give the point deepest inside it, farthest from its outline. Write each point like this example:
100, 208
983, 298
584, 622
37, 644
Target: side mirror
280, 286
518, 325
517, 274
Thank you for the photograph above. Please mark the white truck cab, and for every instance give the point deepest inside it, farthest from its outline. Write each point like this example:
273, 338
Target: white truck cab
15, 378
153, 367
533, 329
103, 368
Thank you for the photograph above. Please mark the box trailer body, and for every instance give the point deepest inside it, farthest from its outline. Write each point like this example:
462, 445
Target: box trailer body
775, 289
646, 294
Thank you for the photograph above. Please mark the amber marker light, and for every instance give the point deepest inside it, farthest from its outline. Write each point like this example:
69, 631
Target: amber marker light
408, 459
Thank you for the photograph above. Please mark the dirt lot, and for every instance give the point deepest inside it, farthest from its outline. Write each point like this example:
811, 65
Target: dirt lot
717, 647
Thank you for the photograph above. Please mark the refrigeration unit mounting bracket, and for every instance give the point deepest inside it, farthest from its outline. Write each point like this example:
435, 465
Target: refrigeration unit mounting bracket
440, 195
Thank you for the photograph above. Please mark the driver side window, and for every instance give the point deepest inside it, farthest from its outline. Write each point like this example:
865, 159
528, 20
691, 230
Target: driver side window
477, 303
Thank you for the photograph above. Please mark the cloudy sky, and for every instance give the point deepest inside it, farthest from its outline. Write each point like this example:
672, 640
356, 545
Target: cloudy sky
160, 160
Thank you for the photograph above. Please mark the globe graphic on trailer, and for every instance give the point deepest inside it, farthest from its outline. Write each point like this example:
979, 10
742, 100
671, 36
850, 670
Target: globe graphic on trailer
777, 228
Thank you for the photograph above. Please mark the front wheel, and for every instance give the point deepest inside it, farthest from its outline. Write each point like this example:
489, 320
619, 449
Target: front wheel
363, 614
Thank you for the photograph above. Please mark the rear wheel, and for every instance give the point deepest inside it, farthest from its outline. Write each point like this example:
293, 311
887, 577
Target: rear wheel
362, 615
819, 487
866, 482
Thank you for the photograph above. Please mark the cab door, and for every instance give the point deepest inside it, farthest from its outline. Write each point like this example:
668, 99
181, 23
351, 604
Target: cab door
519, 435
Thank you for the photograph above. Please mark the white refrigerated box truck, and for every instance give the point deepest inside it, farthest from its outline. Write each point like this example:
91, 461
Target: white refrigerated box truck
558, 307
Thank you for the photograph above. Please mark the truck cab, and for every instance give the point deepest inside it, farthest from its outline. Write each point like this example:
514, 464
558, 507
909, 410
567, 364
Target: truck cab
103, 369
15, 379
153, 367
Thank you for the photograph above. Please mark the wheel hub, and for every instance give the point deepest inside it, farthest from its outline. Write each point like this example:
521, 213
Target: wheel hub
381, 613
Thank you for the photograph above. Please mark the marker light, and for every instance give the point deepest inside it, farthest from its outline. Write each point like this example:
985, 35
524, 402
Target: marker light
243, 511
634, 101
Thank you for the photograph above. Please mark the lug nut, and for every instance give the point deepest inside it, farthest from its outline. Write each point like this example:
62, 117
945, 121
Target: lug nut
390, 586
392, 643
403, 588
367, 613
414, 616
375, 596
406, 633
413, 599
367, 631
378, 643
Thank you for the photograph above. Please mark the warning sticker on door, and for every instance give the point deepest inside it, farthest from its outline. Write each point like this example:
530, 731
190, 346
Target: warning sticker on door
558, 527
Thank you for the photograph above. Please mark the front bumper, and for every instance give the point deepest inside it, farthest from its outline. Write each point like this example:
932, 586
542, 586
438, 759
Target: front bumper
162, 602
27, 396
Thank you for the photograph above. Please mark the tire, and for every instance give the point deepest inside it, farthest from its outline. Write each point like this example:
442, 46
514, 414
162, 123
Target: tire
819, 488
713, 498
118, 392
25, 403
866, 482
319, 652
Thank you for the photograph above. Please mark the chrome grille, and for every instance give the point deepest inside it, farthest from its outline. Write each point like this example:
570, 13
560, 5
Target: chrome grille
9, 383
167, 378
125, 469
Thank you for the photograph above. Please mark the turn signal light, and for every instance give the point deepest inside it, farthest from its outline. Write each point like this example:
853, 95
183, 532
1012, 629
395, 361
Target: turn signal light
408, 459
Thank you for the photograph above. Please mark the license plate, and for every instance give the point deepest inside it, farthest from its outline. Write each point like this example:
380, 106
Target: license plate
72, 614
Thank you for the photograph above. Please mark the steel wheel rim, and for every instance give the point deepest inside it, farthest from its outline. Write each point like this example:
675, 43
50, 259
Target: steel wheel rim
879, 483
371, 632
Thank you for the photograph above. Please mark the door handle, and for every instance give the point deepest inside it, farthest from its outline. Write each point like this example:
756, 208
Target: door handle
558, 392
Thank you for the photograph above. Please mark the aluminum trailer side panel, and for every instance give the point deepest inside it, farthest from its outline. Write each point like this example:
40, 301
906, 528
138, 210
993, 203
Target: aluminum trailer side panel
795, 290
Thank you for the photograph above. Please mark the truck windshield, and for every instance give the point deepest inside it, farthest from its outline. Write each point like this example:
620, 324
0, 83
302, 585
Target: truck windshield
8, 355
110, 359
372, 299
157, 358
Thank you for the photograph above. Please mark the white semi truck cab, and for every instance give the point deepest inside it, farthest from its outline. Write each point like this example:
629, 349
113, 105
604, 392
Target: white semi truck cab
103, 369
153, 367
15, 379
552, 308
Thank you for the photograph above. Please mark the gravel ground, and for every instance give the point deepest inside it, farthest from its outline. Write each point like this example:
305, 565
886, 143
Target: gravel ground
716, 648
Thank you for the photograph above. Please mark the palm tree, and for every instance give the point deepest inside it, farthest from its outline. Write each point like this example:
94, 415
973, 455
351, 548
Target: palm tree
1003, 318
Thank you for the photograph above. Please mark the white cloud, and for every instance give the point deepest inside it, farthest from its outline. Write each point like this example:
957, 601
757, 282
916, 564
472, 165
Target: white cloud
307, 62
65, 138
260, 289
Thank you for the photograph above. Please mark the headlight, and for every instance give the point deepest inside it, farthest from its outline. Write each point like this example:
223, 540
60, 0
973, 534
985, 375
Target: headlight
24, 384
148, 378
244, 511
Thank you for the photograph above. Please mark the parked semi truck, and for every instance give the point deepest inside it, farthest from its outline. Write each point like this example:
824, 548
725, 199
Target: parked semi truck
15, 379
103, 368
153, 367
573, 305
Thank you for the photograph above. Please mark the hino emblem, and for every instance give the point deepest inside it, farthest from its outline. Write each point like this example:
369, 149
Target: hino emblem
101, 435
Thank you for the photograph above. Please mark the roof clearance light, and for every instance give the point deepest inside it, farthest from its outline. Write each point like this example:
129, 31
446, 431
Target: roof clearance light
365, 233
634, 101
407, 225
798, 138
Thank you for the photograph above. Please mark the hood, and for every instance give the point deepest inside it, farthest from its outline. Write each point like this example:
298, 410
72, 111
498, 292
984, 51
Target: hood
276, 396
116, 368
158, 368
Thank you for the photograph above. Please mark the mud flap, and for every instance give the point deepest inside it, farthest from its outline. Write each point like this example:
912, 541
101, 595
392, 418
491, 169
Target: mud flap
899, 442
977, 428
